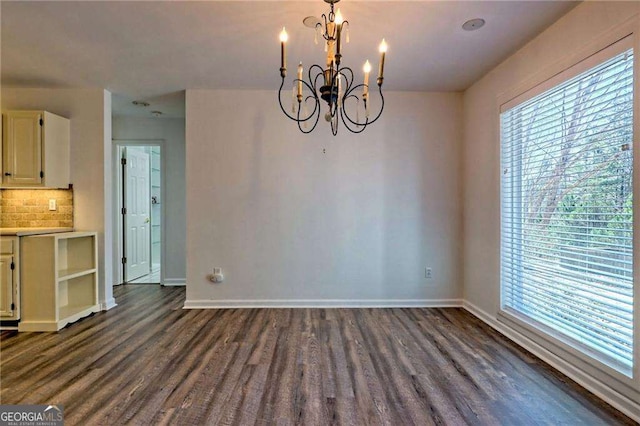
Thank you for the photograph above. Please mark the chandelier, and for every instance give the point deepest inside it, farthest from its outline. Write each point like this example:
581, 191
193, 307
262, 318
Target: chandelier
333, 83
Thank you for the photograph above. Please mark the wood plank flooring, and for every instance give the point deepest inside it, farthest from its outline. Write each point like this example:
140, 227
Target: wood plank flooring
148, 361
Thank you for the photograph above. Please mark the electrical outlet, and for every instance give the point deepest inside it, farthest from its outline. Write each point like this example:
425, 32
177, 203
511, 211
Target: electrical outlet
217, 276
428, 274
52, 205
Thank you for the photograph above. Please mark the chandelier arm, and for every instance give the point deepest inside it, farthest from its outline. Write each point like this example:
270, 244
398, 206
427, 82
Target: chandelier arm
381, 106
349, 81
317, 107
333, 109
344, 114
317, 115
314, 95
315, 80
349, 92
319, 24
280, 101
377, 116
334, 127
357, 98
325, 33
298, 119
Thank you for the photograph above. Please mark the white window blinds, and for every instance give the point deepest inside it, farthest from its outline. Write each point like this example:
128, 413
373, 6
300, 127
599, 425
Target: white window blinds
567, 215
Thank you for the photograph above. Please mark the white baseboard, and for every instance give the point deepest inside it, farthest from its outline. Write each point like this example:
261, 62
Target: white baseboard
328, 303
171, 282
616, 399
111, 303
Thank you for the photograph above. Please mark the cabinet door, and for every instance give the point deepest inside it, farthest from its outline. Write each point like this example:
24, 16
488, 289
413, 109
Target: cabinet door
6, 286
22, 148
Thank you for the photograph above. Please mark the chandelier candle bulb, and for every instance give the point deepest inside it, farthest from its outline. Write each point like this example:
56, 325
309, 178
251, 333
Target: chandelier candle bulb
367, 70
300, 82
283, 55
339, 21
383, 51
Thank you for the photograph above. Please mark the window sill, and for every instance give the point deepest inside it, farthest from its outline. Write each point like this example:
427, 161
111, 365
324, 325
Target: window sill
616, 376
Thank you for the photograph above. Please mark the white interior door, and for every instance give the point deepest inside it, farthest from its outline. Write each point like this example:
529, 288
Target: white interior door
137, 221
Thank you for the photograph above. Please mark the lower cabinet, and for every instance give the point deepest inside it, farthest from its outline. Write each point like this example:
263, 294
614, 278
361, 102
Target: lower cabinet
9, 279
59, 279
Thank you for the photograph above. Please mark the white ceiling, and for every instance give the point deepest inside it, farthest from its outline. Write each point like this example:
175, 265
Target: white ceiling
154, 50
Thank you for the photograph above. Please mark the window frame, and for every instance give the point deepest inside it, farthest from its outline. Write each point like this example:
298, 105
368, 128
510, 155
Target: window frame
574, 357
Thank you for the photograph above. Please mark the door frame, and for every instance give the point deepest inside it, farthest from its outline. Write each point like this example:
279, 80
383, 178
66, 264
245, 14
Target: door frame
117, 203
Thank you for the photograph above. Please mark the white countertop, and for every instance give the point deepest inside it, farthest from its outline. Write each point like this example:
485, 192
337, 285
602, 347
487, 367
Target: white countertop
20, 232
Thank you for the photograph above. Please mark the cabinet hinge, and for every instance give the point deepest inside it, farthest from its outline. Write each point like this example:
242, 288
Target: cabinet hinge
124, 210
41, 174
124, 260
13, 266
41, 122
123, 161
13, 306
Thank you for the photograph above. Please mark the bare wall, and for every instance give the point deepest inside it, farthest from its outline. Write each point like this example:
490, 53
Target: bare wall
288, 222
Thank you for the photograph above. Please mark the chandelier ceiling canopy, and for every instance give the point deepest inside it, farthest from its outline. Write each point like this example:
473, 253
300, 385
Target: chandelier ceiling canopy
331, 82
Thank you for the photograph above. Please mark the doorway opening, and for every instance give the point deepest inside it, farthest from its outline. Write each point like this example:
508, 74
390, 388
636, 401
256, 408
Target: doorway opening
141, 217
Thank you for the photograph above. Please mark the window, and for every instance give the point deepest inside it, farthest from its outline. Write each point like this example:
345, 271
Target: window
567, 211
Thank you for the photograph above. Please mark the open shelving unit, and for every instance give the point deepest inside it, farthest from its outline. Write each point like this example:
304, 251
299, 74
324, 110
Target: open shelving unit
59, 280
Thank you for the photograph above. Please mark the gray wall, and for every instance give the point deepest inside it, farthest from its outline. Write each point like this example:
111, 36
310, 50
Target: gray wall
290, 224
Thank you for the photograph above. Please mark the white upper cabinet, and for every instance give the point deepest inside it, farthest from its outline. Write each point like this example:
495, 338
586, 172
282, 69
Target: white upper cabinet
35, 150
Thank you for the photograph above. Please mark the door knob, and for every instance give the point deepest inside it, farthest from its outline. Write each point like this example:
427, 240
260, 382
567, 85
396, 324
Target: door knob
7, 174
147, 220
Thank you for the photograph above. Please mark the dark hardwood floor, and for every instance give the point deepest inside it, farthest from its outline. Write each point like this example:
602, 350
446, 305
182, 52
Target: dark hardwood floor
148, 361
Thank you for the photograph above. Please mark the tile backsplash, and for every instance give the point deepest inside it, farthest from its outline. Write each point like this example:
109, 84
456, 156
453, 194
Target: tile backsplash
21, 208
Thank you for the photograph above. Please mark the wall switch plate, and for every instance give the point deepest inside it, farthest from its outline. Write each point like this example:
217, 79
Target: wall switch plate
428, 274
52, 205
